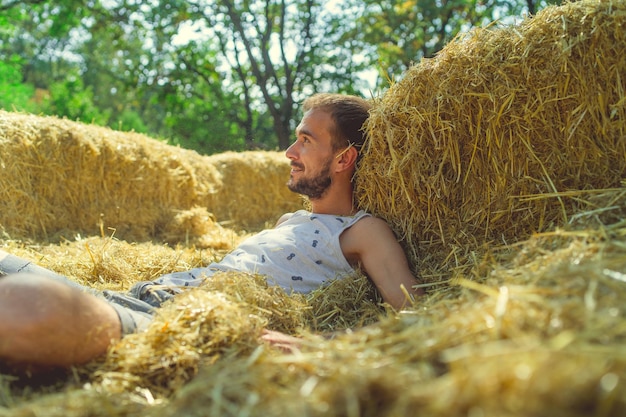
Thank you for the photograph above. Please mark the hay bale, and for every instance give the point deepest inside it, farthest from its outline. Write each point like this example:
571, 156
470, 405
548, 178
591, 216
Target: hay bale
532, 328
506, 132
255, 193
62, 177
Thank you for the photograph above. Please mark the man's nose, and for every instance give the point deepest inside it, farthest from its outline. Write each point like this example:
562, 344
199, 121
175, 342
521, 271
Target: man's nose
291, 151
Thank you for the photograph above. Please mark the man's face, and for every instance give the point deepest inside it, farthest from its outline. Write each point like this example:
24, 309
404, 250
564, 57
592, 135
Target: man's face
311, 155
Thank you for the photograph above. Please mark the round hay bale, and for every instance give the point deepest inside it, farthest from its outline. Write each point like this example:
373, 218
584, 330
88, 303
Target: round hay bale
506, 132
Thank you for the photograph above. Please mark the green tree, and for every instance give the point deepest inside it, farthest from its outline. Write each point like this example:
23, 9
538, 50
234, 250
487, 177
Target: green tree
237, 83
394, 34
115, 64
71, 99
14, 95
278, 52
200, 114
40, 32
139, 72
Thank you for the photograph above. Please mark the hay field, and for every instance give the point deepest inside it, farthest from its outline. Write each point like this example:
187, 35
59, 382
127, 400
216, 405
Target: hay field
513, 219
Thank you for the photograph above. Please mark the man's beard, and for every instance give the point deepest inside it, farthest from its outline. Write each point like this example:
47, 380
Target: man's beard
315, 187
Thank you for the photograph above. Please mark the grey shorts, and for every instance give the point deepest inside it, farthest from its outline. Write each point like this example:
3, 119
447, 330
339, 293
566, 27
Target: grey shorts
135, 309
135, 315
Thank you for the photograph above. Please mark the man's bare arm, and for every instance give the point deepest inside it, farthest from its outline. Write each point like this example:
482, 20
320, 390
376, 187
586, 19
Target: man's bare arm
372, 243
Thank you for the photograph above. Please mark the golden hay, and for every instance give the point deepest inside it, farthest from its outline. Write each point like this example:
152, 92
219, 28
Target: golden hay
109, 263
220, 320
506, 132
254, 192
537, 335
532, 328
540, 332
61, 177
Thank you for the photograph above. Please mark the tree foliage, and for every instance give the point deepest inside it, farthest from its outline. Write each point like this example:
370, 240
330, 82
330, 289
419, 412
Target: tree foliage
13, 93
215, 75
394, 34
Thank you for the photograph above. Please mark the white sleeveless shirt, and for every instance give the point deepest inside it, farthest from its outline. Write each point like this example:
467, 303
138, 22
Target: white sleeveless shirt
300, 254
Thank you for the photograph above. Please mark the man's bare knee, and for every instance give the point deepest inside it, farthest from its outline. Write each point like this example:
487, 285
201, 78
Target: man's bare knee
47, 322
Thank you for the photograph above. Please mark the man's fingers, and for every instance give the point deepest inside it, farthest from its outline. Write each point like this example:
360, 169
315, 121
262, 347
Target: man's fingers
281, 341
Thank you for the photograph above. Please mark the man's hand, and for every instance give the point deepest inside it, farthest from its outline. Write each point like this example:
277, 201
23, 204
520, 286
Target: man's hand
284, 342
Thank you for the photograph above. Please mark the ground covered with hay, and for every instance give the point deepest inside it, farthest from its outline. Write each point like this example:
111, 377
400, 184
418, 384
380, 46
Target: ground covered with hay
500, 165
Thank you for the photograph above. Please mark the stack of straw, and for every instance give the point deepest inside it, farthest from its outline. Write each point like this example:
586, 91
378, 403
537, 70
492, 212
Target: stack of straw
534, 328
255, 188
506, 132
63, 178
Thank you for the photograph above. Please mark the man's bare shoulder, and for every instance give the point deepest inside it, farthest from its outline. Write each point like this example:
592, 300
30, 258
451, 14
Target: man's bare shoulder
367, 232
369, 224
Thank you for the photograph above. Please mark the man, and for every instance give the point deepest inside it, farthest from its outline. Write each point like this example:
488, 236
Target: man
54, 322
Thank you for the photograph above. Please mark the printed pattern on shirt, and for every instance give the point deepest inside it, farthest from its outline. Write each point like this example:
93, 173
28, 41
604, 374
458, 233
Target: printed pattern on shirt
300, 254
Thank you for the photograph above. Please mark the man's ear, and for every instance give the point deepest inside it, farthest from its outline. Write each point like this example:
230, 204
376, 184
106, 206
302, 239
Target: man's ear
346, 159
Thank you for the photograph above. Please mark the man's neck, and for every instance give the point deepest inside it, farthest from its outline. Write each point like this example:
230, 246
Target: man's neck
338, 203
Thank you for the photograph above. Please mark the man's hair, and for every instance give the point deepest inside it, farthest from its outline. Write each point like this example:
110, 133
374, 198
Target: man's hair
349, 114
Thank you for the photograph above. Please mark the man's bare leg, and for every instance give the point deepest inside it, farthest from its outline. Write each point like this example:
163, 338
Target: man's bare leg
45, 322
